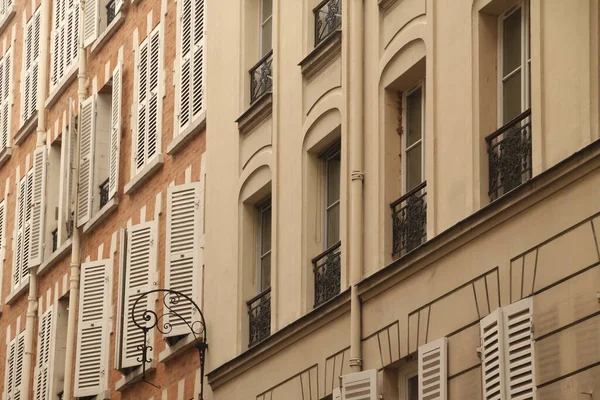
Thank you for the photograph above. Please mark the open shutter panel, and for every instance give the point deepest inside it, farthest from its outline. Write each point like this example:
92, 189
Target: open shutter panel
91, 336
43, 377
27, 61
8, 99
142, 108
154, 99
115, 133
433, 370
18, 379
72, 154
11, 349
185, 72
87, 116
27, 229
20, 233
198, 59
35, 49
38, 206
492, 356
360, 385
183, 244
518, 350
90, 24
2, 229
140, 264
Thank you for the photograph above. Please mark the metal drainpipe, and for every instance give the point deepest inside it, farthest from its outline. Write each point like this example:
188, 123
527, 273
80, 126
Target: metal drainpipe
32, 302
356, 140
75, 248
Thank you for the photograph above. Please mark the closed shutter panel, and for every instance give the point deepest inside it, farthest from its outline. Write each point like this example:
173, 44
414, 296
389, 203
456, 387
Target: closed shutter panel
198, 59
518, 337
141, 261
27, 63
142, 75
154, 103
492, 356
91, 25
433, 370
20, 233
18, 379
2, 229
38, 206
73, 27
90, 373
27, 228
72, 154
115, 132
185, 35
5, 101
360, 385
183, 244
11, 349
43, 375
87, 117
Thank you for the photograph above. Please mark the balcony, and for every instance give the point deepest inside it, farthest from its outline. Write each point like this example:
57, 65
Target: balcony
104, 193
261, 77
327, 269
328, 18
509, 150
110, 11
409, 221
259, 312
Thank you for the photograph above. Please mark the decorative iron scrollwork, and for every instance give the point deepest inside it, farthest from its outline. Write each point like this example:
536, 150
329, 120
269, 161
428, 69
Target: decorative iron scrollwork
259, 313
261, 77
328, 18
409, 220
327, 269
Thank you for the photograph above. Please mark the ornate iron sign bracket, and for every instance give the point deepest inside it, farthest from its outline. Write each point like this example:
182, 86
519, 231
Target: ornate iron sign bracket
146, 320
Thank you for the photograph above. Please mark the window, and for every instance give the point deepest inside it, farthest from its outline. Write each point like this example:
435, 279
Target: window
51, 218
408, 381
31, 52
6, 82
332, 196
264, 246
15, 351
413, 156
98, 16
148, 104
100, 136
65, 34
515, 62
266, 27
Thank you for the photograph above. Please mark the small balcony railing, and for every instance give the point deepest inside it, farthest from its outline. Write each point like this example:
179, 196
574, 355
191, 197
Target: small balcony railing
110, 11
54, 240
328, 18
509, 150
409, 221
261, 77
259, 311
327, 269
104, 193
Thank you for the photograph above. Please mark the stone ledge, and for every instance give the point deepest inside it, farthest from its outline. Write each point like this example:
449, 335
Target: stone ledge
110, 30
384, 5
178, 348
188, 133
62, 86
7, 17
16, 293
322, 55
104, 212
260, 110
28, 127
5, 155
55, 257
134, 184
134, 376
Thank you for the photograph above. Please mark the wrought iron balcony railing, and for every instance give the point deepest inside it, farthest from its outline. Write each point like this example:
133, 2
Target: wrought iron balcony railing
104, 193
54, 240
509, 150
259, 311
327, 269
110, 11
261, 77
328, 18
409, 220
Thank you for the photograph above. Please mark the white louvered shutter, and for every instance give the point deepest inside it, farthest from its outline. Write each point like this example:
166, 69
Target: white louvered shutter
91, 23
87, 124
19, 233
198, 60
182, 269
518, 350
90, 367
38, 206
2, 229
360, 385
27, 228
115, 132
492, 356
433, 370
18, 368
29, 64
140, 264
72, 163
43, 375
6, 99
9, 373
142, 107
336, 394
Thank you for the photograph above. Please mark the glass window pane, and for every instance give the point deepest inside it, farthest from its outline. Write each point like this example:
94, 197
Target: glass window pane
414, 117
333, 225
265, 227
413, 167
267, 9
266, 37
265, 272
413, 388
333, 180
511, 51
512, 97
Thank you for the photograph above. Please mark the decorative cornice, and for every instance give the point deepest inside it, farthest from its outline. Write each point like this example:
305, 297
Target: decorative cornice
258, 111
384, 5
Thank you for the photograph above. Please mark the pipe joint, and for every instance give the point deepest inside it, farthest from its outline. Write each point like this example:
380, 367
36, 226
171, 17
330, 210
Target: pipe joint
357, 176
355, 362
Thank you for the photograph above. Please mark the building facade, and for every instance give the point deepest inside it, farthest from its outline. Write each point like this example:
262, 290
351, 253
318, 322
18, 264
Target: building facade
405, 203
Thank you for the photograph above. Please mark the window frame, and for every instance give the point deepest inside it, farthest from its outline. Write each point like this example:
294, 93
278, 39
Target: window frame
326, 157
405, 373
262, 22
262, 208
420, 85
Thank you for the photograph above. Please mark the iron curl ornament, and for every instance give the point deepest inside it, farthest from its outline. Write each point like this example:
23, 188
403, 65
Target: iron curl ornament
146, 320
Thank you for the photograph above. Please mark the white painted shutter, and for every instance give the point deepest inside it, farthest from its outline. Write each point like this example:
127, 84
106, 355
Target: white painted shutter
360, 385
433, 370
6, 99
182, 269
87, 124
72, 154
2, 229
518, 350
18, 368
142, 107
140, 265
38, 206
43, 377
11, 350
19, 233
27, 228
492, 356
198, 59
91, 23
154, 97
115, 132
92, 338
27, 70
336, 394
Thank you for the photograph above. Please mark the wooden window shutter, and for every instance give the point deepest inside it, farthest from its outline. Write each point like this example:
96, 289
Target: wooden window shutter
198, 60
115, 132
91, 22
433, 370
43, 376
154, 96
9, 386
2, 229
19, 232
92, 333
185, 70
518, 350
27, 228
87, 124
18, 368
34, 52
183, 269
38, 206
336, 394
28, 62
140, 265
73, 158
6, 79
492, 356
142, 109
360, 385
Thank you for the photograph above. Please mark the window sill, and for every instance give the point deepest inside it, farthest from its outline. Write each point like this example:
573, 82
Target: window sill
101, 215
62, 86
7, 17
16, 293
5, 155
321, 55
178, 348
384, 5
55, 257
258, 111
28, 127
184, 136
108, 33
133, 185
133, 377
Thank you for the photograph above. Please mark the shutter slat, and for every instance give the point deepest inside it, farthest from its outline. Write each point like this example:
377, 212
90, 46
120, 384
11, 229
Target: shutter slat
91, 22
492, 356
360, 386
86, 159
39, 196
115, 132
433, 370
